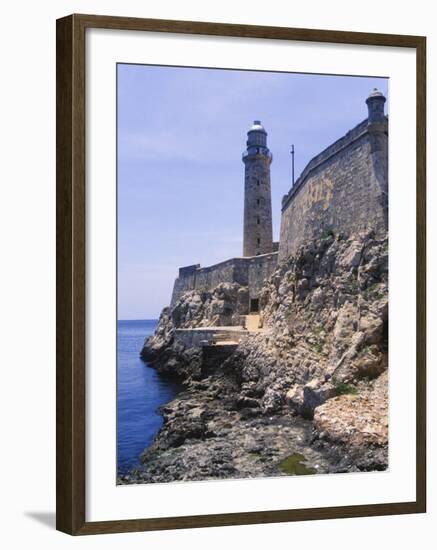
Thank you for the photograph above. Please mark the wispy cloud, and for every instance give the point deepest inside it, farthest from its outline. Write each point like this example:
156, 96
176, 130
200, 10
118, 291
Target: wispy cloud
166, 145
190, 123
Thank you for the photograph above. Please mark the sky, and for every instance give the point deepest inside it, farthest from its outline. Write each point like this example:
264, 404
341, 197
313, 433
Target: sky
180, 181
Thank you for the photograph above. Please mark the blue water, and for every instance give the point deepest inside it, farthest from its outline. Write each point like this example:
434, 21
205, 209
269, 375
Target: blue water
140, 391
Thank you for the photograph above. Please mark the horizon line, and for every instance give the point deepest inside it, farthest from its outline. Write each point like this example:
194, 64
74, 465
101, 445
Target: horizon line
148, 319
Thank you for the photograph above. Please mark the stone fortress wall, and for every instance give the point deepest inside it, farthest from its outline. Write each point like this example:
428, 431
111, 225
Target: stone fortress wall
259, 270
343, 190
250, 272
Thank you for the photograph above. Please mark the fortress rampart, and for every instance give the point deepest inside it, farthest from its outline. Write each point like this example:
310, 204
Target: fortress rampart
341, 190
249, 272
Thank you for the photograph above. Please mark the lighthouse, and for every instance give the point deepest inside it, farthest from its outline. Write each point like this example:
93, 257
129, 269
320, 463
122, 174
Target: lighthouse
258, 233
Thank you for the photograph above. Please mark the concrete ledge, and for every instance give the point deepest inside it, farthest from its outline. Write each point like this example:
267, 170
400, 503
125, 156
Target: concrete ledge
207, 336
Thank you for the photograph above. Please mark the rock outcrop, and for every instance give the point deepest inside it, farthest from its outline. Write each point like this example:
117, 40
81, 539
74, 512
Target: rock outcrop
313, 383
221, 307
356, 424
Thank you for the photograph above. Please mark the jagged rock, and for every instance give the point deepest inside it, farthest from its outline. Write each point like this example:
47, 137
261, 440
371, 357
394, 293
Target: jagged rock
247, 402
294, 397
373, 327
315, 393
352, 256
162, 338
347, 322
272, 401
357, 420
325, 316
304, 399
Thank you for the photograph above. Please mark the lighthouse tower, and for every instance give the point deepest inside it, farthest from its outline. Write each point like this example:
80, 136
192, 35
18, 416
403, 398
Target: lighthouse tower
258, 235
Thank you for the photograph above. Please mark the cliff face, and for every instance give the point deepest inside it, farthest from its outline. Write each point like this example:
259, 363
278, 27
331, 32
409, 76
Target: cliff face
328, 310
311, 384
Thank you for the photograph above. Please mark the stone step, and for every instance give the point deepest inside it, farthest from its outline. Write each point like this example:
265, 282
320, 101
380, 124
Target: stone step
252, 322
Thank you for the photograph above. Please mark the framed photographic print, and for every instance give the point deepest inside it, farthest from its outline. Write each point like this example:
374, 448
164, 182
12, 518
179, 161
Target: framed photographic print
240, 274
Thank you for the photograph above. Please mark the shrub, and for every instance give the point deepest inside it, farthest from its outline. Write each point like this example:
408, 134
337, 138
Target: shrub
327, 234
343, 389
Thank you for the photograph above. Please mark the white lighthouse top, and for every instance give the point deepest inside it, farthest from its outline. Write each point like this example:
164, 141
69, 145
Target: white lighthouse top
257, 127
376, 93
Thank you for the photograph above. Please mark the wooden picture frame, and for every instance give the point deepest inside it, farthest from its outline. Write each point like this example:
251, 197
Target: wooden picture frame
71, 254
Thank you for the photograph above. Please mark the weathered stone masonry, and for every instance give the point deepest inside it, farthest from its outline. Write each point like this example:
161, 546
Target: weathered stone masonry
343, 189
251, 272
258, 235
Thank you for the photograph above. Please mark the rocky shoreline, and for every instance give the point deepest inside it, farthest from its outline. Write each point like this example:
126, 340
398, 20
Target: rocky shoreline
306, 395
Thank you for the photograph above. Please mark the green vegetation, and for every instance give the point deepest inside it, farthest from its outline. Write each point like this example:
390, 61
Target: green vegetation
327, 234
374, 292
293, 466
343, 389
289, 315
318, 346
319, 335
354, 287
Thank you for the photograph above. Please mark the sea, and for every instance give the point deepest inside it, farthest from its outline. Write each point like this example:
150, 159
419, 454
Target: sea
140, 391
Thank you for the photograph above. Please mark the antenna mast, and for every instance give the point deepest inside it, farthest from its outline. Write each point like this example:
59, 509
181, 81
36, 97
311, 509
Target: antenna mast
292, 164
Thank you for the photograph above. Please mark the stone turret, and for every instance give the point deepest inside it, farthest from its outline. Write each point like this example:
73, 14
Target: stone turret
375, 104
258, 234
377, 125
